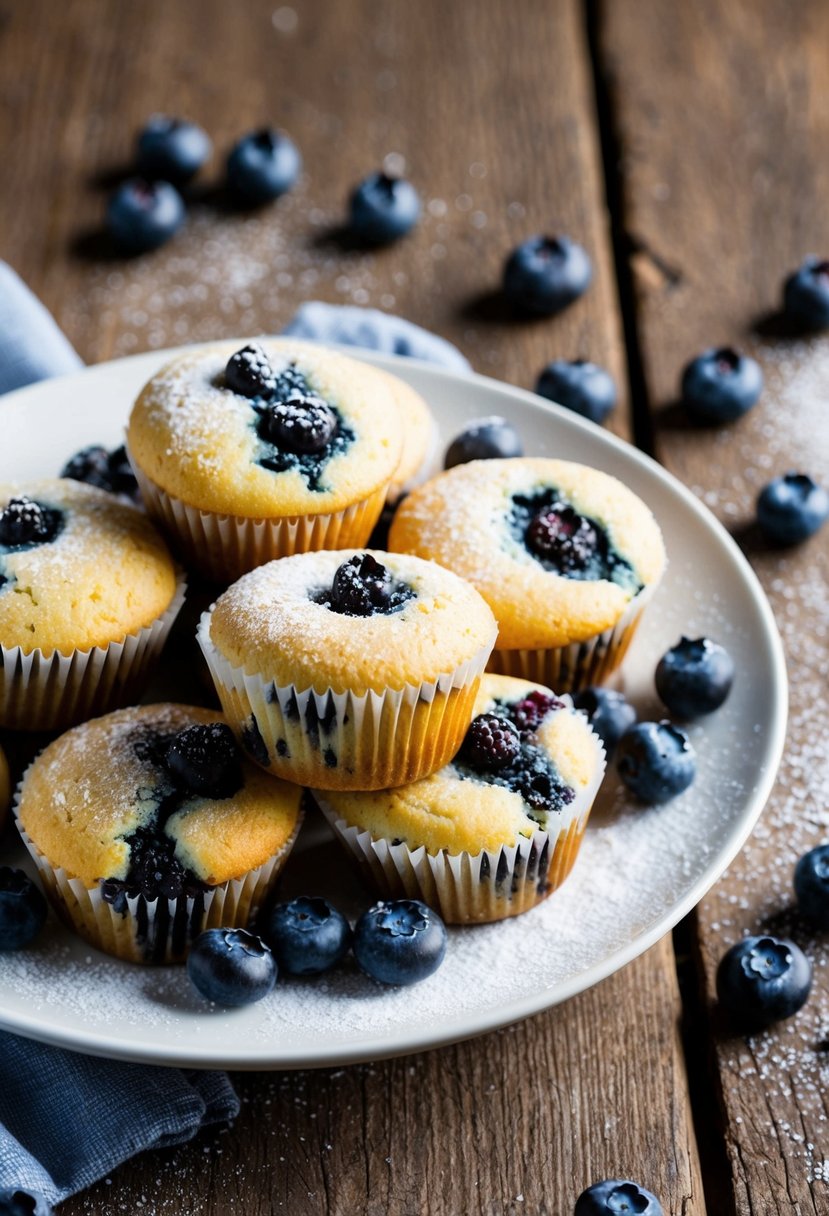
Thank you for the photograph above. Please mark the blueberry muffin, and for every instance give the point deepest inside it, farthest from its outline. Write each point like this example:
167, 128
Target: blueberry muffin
148, 826
566, 557
249, 452
88, 593
353, 670
498, 828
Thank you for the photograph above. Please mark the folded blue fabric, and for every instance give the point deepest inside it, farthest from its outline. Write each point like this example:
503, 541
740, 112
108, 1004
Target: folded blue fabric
31, 345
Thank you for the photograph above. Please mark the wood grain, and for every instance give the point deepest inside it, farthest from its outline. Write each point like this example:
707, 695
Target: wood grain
723, 118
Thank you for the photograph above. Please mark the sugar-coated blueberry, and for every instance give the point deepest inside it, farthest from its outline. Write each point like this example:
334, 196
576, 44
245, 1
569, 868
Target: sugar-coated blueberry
23, 521
263, 165
383, 208
694, 677
22, 909
792, 508
617, 1197
811, 885
248, 372
231, 967
762, 980
484, 439
143, 215
721, 385
303, 424
546, 273
585, 388
172, 149
307, 935
205, 760
562, 537
806, 294
401, 941
490, 743
609, 714
656, 761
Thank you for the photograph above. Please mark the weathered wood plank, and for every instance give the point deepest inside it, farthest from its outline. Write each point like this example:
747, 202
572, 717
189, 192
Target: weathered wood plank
723, 116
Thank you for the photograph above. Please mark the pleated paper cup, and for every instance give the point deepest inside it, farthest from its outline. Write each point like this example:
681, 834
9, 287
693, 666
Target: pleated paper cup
153, 931
345, 740
224, 547
51, 692
579, 664
473, 888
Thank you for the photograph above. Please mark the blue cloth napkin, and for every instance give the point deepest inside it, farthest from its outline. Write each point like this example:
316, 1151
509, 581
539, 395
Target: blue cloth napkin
31, 345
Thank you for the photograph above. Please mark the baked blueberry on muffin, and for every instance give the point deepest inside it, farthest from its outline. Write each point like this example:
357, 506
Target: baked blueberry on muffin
348, 670
148, 826
565, 556
88, 593
498, 828
248, 452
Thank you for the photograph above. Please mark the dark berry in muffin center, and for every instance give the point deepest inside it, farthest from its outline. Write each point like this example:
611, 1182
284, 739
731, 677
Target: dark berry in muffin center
205, 760
26, 522
362, 586
562, 536
249, 373
303, 424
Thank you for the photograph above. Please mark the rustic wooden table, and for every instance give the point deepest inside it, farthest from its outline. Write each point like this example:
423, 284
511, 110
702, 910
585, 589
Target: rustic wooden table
685, 146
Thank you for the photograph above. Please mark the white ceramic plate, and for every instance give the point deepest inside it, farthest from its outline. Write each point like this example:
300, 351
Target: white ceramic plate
639, 871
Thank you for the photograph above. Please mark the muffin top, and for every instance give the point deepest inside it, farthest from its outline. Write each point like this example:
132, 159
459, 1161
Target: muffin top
558, 550
420, 436
350, 620
266, 429
528, 763
154, 800
78, 568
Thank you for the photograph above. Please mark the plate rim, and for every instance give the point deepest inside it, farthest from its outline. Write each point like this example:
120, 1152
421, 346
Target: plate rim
465, 1026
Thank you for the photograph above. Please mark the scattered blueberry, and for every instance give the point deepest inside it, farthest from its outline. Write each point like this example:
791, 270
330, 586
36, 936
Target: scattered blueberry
544, 274
656, 761
362, 586
231, 967
172, 149
302, 424
806, 294
263, 165
144, 215
205, 760
530, 711
762, 980
491, 742
485, 439
694, 677
617, 1197
721, 385
400, 942
22, 909
791, 509
811, 885
383, 208
248, 372
307, 935
583, 387
559, 535
26, 522
109, 471
609, 714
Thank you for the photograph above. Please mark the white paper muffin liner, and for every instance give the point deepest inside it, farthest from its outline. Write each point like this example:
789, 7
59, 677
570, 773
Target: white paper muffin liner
50, 692
224, 547
474, 888
346, 740
158, 930
579, 664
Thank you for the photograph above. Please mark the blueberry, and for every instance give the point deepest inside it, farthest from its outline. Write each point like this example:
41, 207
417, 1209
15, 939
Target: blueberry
545, 274
583, 387
109, 471
22, 909
231, 967
484, 439
400, 942
307, 935
303, 424
609, 714
656, 761
172, 149
721, 385
811, 885
694, 677
26, 522
248, 372
530, 711
559, 535
806, 294
143, 215
491, 742
762, 980
362, 586
383, 208
205, 760
263, 165
791, 509
617, 1197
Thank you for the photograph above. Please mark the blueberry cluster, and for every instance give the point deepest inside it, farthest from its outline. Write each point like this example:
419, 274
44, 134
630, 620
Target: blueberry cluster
25, 523
362, 586
106, 470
